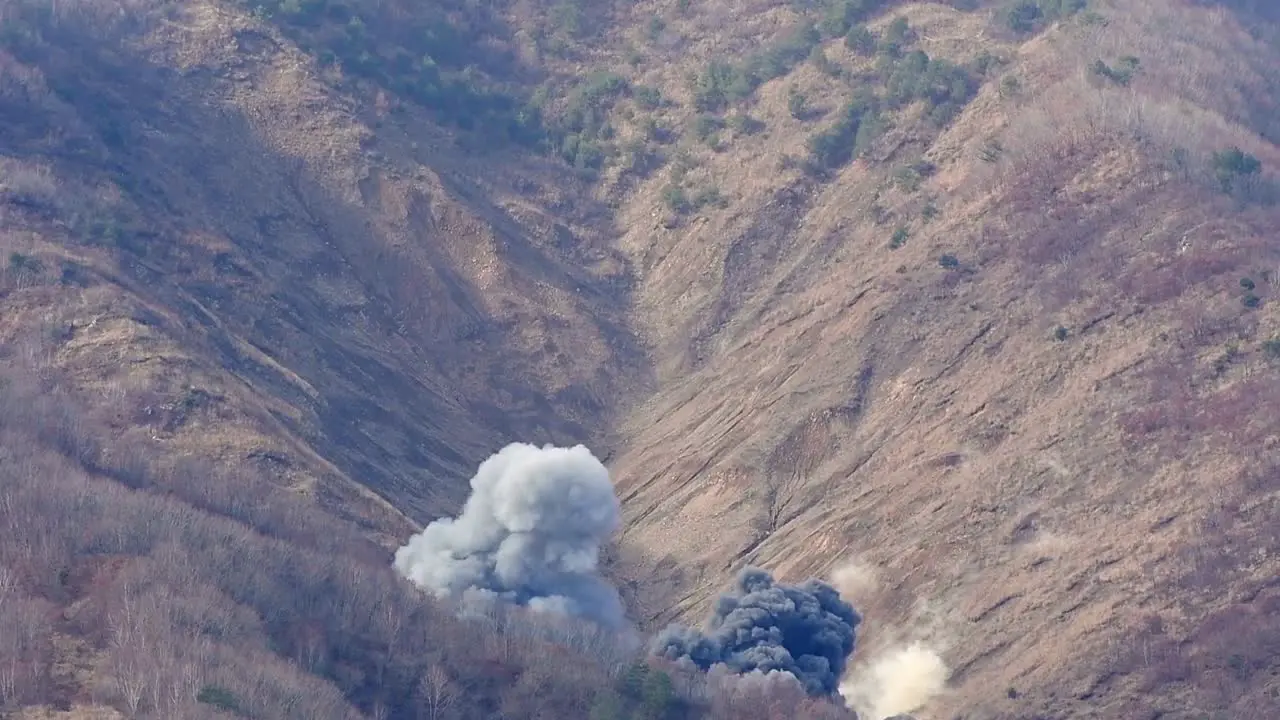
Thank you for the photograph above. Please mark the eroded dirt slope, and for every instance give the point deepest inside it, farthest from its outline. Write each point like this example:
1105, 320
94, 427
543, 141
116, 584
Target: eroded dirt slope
206, 233
1024, 416
1031, 386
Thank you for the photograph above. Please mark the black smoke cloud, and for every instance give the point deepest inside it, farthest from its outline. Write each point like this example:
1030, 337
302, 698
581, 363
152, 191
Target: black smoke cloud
806, 630
529, 534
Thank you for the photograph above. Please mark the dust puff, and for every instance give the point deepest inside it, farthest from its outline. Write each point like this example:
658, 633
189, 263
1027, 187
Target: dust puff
900, 680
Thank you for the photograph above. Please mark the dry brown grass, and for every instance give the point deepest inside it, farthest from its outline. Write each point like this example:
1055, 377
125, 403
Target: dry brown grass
368, 307
1008, 479
323, 289
75, 713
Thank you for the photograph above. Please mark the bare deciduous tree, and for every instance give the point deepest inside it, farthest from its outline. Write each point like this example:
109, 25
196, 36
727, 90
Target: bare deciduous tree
129, 677
437, 693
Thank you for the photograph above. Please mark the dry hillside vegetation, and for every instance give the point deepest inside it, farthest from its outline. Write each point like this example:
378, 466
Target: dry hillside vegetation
1036, 389
139, 590
203, 226
982, 300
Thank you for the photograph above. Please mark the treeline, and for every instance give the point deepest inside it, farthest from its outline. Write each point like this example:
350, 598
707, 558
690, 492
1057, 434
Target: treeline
900, 77
453, 58
199, 592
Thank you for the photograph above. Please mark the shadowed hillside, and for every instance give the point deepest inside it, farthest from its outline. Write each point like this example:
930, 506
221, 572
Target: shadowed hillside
186, 187
976, 297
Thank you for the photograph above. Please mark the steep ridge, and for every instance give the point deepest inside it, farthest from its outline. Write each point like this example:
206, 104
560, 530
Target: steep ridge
241, 233
1022, 416
1006, 341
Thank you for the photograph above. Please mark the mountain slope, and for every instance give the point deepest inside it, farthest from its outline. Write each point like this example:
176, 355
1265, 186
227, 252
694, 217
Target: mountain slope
281, 254
984, 305
1023, 416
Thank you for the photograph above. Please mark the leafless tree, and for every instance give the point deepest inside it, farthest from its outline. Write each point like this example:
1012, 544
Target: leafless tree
437, 693
310, 646
129, 677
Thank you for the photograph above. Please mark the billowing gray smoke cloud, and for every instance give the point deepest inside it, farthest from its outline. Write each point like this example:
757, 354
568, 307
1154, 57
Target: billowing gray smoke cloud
806, 630
529, 534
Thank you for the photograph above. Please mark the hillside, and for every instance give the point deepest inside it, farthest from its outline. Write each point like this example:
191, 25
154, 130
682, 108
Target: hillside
1045, 420
972, 302
293, 306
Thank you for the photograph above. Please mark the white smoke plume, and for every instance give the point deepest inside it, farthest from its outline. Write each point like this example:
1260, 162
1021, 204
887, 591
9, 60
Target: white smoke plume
900, 680
902, 672
530, 534
855, 580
